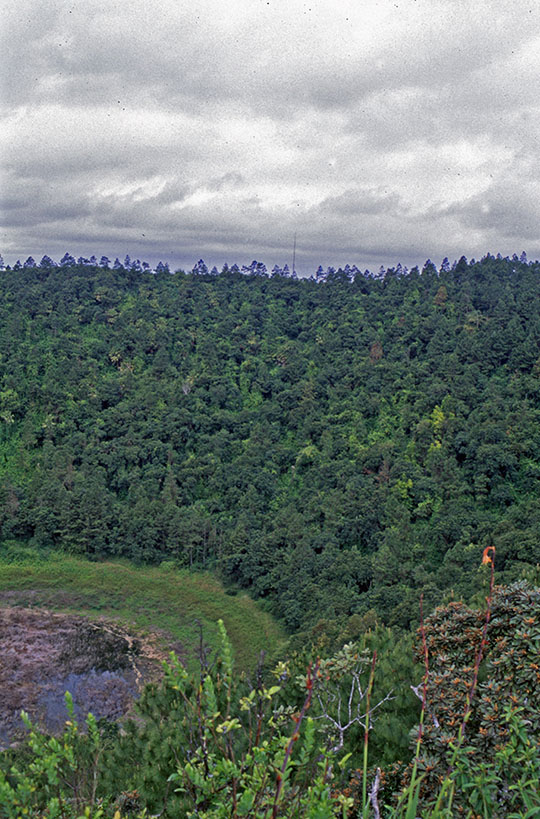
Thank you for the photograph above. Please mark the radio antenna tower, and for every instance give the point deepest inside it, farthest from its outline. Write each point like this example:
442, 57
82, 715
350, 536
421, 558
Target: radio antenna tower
294, 256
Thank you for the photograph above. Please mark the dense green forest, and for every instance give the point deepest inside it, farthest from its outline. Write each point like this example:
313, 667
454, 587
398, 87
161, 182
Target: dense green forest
334, 447
353, 450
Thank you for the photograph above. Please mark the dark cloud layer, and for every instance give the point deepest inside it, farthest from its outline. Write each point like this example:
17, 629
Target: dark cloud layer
377, 131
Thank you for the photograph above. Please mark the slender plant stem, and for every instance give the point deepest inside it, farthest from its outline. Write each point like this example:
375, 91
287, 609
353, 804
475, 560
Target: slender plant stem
366, 732
449, 781
298, 722
420, 735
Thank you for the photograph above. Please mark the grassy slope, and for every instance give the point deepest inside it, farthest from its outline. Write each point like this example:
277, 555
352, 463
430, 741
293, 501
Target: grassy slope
152, 598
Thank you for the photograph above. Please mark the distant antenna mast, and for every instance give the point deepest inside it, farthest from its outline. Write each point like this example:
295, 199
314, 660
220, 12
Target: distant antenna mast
294, 255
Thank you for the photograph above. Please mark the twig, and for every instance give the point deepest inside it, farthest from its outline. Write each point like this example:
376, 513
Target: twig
366, 730
373, 794
416, 689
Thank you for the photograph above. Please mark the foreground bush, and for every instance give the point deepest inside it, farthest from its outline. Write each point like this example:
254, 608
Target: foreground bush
213, 745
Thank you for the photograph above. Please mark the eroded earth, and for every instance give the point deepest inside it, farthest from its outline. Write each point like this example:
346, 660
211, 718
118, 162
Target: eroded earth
43, 654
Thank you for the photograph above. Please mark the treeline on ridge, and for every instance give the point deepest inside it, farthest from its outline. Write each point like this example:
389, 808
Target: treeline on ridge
334, 447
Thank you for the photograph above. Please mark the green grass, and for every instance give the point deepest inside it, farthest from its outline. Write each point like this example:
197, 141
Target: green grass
146, 598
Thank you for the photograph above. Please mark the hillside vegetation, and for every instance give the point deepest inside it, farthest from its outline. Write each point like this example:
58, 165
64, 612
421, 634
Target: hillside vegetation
335, 447
332, 447
297, 742
178, 604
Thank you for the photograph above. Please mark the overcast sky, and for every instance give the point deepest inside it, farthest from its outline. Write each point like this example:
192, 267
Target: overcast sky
377, 130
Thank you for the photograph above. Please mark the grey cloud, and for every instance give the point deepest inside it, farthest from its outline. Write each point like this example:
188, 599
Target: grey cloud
180, 59
509, 211
223, 129
228, 180
354, 202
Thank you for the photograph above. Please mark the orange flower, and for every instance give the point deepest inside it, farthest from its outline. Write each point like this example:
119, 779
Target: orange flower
486, 557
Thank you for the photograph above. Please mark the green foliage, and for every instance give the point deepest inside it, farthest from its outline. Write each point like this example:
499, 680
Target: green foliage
332, 448
487, 733
476, 749
213, 744
165, 598
206, 742
60, 780
389, 741
505, 785
277, 773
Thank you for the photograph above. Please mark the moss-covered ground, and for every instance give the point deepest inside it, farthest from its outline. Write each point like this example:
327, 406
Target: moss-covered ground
177, 603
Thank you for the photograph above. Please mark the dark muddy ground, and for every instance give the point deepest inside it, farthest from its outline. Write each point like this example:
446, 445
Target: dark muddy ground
43, 654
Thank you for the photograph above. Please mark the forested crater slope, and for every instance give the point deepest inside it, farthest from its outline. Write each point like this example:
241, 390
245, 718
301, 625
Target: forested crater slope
333, 447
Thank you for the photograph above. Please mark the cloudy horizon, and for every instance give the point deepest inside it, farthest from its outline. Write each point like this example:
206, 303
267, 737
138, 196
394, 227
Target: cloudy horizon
377, 131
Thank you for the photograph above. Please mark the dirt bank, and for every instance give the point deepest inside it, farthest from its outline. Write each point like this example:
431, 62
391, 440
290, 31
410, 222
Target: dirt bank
43, 654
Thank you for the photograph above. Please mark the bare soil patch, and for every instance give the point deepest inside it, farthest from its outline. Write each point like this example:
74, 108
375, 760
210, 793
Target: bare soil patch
43, 654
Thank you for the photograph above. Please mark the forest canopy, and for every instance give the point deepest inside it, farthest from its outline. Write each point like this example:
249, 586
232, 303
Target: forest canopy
335, 445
